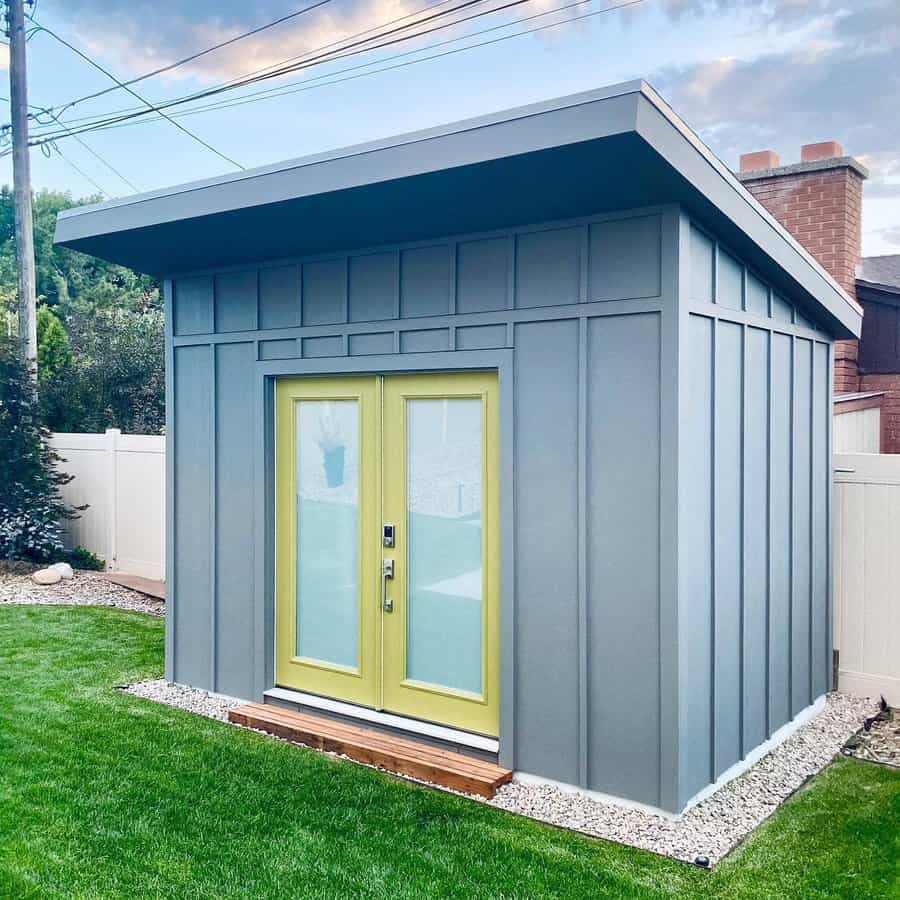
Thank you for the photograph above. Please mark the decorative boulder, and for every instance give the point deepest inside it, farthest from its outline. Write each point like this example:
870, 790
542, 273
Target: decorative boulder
46, 576
64, 569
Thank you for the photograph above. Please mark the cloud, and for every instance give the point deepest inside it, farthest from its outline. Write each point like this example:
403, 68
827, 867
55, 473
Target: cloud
136, 37
890, 236
846, 91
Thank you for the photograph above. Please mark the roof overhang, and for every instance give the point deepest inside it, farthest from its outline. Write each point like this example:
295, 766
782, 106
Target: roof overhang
613, 148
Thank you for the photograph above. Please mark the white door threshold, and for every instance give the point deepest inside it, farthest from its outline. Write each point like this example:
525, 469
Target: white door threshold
390, 720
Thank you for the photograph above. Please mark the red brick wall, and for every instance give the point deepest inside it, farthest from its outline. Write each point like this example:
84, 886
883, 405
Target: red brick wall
823, 210
890, 408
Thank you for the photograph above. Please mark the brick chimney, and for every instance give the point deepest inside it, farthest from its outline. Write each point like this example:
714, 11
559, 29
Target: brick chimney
819, 200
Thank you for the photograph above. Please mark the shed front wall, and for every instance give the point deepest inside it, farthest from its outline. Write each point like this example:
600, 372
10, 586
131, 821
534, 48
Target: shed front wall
586, 311
754, 511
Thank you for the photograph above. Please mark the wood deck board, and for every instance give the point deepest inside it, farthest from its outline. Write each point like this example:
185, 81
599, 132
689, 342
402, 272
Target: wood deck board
366, 745
375, 738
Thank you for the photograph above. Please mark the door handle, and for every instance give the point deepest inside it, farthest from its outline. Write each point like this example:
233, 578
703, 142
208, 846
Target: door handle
387, 571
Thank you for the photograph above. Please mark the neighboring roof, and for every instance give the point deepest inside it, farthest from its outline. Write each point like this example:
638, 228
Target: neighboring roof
880, 272
600, 150
857, 395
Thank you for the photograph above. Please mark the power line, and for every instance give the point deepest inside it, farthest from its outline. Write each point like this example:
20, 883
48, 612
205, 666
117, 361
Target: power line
80, 171
354, 48
130, 109
328, 79
137, 96
198, 54
89, 148
120, 121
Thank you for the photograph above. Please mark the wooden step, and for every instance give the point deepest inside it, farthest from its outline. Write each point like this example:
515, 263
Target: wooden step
376, 748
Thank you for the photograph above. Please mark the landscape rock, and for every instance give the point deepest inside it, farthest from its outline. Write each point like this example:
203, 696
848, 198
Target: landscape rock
64, 569
46, 576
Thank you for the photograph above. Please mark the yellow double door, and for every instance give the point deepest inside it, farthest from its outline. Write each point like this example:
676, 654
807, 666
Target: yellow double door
387, 543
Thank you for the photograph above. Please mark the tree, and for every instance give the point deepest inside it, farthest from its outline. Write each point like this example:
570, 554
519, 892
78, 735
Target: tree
116, 376
31, 507
112, 375
54, 355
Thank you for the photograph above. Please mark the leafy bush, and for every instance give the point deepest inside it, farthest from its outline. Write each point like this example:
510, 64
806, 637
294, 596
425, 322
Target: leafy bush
31, 508
115, 377
100, 329
82, 558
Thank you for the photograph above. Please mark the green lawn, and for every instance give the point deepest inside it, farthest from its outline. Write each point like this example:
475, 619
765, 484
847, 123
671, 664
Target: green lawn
107, 795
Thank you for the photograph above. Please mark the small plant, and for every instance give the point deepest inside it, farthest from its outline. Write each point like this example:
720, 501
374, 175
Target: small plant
82, 558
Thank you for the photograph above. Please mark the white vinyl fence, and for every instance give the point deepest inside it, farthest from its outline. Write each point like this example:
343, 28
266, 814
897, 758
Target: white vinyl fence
867, 573
123, 479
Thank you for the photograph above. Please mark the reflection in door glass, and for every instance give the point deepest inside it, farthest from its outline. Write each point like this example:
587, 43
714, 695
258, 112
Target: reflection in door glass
444, 475
328, 530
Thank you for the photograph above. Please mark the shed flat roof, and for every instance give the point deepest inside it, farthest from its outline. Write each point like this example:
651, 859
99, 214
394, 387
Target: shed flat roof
604, 149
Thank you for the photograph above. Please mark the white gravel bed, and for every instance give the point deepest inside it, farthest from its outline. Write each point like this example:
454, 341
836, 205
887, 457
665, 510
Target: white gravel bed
203, 703
85, 589
710, 829
717, 824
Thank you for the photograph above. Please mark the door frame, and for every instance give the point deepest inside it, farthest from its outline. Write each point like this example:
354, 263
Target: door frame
500, 361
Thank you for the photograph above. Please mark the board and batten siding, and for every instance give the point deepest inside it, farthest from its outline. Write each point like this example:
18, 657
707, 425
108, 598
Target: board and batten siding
586, 311
754, 509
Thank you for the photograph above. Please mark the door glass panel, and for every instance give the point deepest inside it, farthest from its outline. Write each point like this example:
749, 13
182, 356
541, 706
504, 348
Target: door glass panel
327, 601
444, 591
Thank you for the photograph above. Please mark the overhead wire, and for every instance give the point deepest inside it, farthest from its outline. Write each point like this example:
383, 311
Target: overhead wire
329, 78
90, 149
193, 56
322, 79
79, 170
137, 96
372, 28
308, 60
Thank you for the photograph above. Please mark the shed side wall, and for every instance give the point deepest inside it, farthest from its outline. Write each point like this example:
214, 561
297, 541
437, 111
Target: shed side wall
754, 642
585, 307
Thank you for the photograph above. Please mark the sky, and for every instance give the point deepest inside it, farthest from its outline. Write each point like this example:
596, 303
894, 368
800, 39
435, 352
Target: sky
745, 75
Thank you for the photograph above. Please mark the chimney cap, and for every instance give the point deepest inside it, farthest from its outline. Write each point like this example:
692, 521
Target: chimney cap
760, 159
821, 150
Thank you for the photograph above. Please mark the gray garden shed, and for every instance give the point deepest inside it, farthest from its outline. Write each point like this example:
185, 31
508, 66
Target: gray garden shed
563, 376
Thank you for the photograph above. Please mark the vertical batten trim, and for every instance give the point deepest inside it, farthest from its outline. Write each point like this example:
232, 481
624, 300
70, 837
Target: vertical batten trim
584, 249
171, 622
453, 253
507, 475
812, 506
673, 329
714, 373
396, 298
512, 250
715, 271
790, 605
829, 512
345, 292
213, 523
742, 575
770, 466
301, 298
582, 554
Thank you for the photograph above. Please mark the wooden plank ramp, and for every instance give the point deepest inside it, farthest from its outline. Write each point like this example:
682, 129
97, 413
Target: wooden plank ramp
376, 748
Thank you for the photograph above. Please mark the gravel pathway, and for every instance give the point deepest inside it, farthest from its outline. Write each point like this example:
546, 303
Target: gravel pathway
85, 589
710, 829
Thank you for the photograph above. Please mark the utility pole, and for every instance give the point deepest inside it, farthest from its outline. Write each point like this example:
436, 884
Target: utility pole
18, 96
